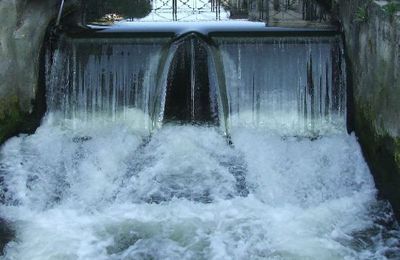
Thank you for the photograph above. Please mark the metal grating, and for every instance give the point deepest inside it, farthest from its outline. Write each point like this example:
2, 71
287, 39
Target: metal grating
188, 10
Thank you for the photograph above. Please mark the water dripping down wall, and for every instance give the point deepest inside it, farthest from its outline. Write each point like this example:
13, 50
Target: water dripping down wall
292, 85
296, 86
108, 78
160, 80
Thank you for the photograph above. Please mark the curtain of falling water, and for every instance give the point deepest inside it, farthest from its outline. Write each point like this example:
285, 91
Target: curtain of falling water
296, 86
112, 78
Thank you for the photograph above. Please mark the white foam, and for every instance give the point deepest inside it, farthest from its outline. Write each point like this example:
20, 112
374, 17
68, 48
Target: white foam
82, 193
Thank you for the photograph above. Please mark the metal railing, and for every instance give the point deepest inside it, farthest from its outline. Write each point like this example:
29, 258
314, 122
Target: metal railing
164, 8
60, 13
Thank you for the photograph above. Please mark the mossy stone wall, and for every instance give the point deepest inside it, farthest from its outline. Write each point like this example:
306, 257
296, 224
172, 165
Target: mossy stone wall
372, 42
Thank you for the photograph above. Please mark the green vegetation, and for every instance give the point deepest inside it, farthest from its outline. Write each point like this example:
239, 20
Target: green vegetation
10, 117
397, 151
382, 152
391, 8
361, 15
130, 8
105, 10
13, 120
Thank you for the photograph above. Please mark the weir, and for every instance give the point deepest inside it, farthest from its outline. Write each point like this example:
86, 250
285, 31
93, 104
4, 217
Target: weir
131, 160
295, 85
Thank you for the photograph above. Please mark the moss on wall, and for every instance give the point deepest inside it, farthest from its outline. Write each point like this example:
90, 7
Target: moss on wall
397, 152
14, 120
382, 152
11, 117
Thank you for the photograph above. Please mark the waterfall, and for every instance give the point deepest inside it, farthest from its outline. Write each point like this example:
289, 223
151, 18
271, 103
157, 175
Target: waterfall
296, 86
112, 77
87, 78
293, 85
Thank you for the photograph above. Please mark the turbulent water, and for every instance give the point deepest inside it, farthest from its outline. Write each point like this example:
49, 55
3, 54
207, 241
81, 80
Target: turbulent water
98, 181
107, 191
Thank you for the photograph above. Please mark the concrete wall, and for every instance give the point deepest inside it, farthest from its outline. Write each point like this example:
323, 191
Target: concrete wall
372, 39
22, 31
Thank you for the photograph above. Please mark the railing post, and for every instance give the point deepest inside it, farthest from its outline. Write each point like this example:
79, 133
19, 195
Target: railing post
60, 13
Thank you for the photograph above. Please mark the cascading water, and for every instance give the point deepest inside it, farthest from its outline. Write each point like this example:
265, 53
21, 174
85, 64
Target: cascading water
105, 77
294, 86
91, 184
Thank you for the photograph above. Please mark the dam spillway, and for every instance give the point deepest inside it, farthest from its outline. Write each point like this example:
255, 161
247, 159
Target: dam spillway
119, 170
299, 84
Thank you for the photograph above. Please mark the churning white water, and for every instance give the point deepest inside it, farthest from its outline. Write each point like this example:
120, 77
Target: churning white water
107, 190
